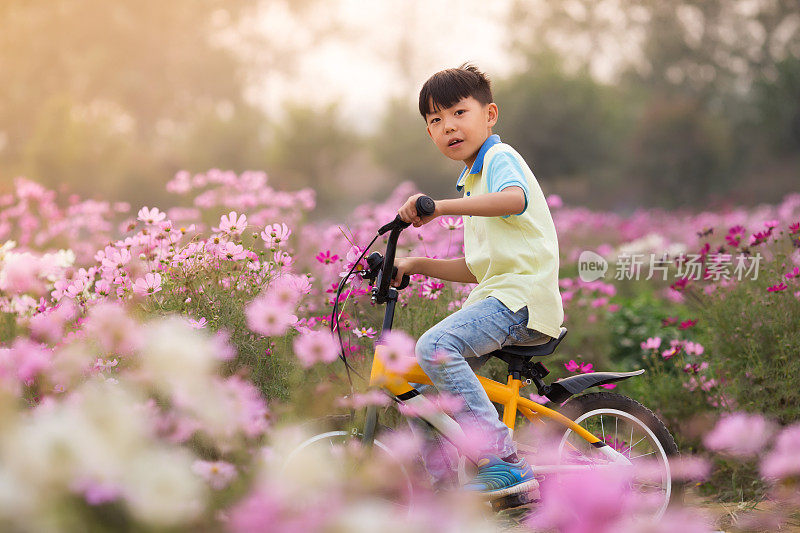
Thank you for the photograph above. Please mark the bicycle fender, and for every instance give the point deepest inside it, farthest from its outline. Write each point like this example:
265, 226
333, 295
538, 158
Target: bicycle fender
562, 389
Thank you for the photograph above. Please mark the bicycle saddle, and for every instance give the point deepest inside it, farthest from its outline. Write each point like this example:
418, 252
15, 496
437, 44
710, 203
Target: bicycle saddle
544, 345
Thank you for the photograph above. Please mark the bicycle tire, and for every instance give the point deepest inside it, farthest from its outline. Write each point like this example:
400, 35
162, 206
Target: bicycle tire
579, 405
586, 403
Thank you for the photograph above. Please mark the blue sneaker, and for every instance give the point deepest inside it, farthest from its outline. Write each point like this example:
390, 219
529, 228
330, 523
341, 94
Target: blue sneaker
497, 478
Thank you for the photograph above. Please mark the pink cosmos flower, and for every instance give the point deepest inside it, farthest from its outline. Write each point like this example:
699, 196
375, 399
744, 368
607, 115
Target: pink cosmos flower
572, 366
49, 325
652, 343
795, 272
371, 397
451, 223
27, 359
778, 288
221, 341
316, 347
365, 332
539, 399
397, 351
283, 260
267, 317
197, 324
326, 258
231, 251
270, 507
218, 474
287, 290
116, 258
771, 224
448, 403
693, 348
592, 501
231, 223
783, 461
113, 329
352, 255
151, 216
275, 235
686, 324
739, 434
554, 201
671, 352
695, 368
76, 288
598, 302
150, 284
431, 289
760, 237
19, 273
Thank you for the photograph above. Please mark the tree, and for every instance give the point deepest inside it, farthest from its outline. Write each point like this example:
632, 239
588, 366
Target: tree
98, 93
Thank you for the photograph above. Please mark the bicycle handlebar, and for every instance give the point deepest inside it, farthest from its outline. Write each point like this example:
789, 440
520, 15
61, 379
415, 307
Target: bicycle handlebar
425, 207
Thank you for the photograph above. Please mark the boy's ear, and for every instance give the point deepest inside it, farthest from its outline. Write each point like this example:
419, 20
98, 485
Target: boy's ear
493, 113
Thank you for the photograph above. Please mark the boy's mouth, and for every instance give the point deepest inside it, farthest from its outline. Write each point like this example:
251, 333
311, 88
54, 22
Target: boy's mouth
455, 142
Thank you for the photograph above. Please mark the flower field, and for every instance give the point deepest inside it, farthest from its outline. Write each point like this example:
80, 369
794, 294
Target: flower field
159, 363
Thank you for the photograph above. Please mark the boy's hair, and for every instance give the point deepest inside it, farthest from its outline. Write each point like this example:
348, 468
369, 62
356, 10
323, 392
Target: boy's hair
447, 87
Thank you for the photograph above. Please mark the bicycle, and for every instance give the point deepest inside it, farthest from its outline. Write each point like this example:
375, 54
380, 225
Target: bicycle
582, 418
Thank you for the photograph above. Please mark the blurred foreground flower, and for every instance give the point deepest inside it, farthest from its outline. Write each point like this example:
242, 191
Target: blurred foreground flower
313, 347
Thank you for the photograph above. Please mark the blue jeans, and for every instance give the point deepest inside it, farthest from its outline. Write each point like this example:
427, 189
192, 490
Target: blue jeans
443, 352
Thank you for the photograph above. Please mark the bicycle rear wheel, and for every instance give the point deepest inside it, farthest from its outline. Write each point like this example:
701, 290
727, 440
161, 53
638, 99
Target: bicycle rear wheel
635, 432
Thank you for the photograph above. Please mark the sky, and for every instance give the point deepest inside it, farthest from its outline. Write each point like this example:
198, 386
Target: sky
375, 51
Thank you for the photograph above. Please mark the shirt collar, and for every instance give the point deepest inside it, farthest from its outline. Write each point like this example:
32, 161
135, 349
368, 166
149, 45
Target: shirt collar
477, 166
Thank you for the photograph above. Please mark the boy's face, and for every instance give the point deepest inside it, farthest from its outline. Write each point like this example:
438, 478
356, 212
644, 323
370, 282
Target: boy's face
460, 130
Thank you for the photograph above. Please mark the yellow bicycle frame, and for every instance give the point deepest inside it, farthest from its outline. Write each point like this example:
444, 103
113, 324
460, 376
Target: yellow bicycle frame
506, 395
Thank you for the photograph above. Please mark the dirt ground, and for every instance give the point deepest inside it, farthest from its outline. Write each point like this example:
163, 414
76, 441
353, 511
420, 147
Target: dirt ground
728, 517
744, 516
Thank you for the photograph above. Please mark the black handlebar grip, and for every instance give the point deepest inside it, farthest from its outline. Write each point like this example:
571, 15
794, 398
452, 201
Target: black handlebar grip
425, 206
403, 282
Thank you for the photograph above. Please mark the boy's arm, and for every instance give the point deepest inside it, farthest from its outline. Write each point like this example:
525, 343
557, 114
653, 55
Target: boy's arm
509, 201
444, 269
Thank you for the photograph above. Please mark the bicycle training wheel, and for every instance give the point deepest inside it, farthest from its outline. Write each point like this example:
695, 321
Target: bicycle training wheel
631, 429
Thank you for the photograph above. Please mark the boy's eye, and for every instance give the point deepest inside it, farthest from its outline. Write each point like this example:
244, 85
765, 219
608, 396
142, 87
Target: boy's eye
459, 111
434, 120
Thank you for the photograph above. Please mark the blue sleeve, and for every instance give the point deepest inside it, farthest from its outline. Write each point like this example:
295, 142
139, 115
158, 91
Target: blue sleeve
505, 171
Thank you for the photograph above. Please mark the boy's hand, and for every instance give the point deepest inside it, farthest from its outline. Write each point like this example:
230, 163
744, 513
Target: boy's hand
405, 265
409, 212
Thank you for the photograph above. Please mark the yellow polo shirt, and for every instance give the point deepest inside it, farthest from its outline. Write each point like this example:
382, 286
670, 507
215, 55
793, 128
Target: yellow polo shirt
514, 258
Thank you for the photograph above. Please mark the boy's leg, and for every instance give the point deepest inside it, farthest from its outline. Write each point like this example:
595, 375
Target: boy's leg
473, 331
440, 457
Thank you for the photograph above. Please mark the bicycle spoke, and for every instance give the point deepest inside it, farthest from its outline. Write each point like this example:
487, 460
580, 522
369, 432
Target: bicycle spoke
602, 428
630, 448
649, 453
637, 442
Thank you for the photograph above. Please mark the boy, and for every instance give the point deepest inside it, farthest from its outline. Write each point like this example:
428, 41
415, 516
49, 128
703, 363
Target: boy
511, 252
